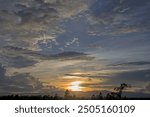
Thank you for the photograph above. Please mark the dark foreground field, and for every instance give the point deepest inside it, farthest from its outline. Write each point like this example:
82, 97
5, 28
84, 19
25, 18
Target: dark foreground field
47, 97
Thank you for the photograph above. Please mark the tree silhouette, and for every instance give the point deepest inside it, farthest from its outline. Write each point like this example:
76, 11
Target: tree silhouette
56, 97
67, 94
100, 96
93, 97
120, 90
108, 96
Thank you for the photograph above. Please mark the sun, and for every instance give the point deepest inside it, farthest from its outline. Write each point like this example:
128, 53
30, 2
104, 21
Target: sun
74, 86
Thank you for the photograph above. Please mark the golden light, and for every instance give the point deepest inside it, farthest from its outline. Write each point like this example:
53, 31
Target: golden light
74, 86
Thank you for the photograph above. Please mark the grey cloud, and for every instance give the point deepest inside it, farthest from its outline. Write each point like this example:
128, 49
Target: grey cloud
116, 18
38, 13
100, 76
26, 21
70, 55
16, 51
17, 57
18, 82
132, 63
148, 87
98, 86
21, 83
18, 61
2, 72
145, 89
135, 77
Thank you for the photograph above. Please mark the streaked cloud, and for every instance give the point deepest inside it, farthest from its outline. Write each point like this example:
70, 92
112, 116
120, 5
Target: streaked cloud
116, 18
49, 44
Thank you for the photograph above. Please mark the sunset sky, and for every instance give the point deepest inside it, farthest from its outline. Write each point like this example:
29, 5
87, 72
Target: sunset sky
48, 46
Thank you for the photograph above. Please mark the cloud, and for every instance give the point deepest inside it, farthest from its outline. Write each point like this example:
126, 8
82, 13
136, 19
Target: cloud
73, 41
53, 38
22, 83
132, 63
108, 79
18, 51
71, 55
18, 61
98, 86
25, 21
145, 89
89, 75
119, 17
16, 57
136, 78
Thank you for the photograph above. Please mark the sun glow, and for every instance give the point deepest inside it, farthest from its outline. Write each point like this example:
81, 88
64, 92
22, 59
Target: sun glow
74, 86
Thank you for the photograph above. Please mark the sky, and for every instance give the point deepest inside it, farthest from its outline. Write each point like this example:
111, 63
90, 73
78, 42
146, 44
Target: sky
48, 46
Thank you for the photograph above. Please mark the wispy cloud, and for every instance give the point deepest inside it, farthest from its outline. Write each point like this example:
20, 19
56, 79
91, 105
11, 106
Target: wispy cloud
117, 18
26, 21
101, 42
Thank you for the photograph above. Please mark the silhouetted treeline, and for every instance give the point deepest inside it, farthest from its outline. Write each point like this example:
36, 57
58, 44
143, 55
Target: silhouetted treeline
114, 95
37, 97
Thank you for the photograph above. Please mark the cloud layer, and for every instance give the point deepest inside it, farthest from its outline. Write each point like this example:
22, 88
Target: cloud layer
47, 44
25, 22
